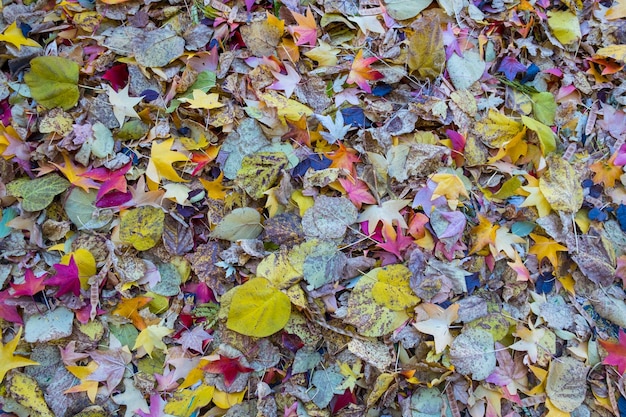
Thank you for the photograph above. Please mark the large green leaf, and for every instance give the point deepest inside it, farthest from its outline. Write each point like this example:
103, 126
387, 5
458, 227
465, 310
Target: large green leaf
53, 81
37, 194
258, 309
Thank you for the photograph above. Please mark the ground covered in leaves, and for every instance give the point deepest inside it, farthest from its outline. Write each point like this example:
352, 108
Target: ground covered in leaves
310, 208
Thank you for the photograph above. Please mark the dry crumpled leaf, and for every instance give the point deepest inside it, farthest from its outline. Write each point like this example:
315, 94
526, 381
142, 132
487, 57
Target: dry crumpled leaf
560, 185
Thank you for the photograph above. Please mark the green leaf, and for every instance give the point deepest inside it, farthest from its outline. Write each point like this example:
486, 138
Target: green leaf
544, 107
547, 138
142, 227
508, 188
8, 214
53, 81
405, 9
81, 210
37, 194
258, 309
204, 82
241, 223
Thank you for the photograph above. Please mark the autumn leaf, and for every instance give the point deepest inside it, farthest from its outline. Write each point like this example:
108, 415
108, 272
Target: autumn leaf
357, 191
230, 368
202, 100
436, 321
129, 308
286, 83
161, 160
150, 338
505, 241
616, 352
215, 188
9, 360
546, 248
606, 172
535, 196
31, 285
13, 35
343, 158
388, 213
123, 104
86, 385
66, 278
306, 30
74, 174
361, 73
484, 234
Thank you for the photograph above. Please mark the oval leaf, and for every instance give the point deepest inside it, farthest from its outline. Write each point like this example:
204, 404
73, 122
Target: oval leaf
258, 309
37, 194
241, 223
142, 227
53, 81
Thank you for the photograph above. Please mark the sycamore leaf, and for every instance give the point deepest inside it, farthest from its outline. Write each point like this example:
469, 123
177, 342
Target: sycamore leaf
606, 172
258, 309
616, 352
129, 308
8, 360
306, 30
13, 35
504, 242
37, 194
150, 338
535, 196
74, 174
142, 227
387, 213
436, 321
560, 185
123, 104
286, 83
484, 234
53, 81
361, 73
229, 368
426, 49
161, 160
26, 391
565, 26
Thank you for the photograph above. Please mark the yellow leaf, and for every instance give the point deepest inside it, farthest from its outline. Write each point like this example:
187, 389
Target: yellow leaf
484, 234
150, 338
258, 309
286, 108
142, 227
561, 186
617, 10
260, 171
449, 186
215, 189
426, 49
13, 35
25, 391
303, 202
497, 129
324, 54
546, 248
184, 403
278, 269
617, 52
565, 26
8, 361
161, 160
225, 400
392, 289
202, 100
380, 387
505, 241
535, 197
82, 372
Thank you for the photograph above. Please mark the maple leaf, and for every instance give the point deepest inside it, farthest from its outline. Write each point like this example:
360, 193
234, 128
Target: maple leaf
504, 242
546, 248
387, 213
69, 356
343, 158
74, 174
606, 172
111, 180
8, 308
286, 83
518, 266
117, 75
360, 73
123, 104
357, 191
436, 322
141, 197
215, 189
88, 386
150, 338
510, 66
616, 352
31, 285
449, 186
529, 341
230, 368
396, 242
111, 366
337, 130
484, 234
129, 308
12, 145
14, 35
306, 30
66, 278
202, 100
161, 160
324, 54
194, 339
8, 360
510, 374
535, 197
298, 131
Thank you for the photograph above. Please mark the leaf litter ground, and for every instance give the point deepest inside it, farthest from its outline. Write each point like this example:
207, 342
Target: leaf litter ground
398, 208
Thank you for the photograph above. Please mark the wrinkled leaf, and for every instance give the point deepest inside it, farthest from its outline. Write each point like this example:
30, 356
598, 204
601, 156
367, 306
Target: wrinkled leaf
142, 227
53, 81
37, 194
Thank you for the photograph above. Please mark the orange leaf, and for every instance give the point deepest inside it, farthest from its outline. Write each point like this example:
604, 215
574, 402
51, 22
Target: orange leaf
343, 158
74, 174
484, 234
360, 72
606, 172
129, 308
306, 31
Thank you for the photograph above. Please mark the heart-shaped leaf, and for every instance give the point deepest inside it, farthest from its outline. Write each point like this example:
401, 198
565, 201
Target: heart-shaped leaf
37, 194
53, 81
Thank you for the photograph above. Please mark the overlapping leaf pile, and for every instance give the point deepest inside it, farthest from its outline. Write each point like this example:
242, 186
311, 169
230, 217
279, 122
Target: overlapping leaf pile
313, 208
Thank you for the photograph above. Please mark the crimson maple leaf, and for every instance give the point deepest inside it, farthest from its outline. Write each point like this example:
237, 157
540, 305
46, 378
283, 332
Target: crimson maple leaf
360, 72
395, 242
357, 191
228, 367
617, 352
8, 310
112, 180
31, 285
66, 278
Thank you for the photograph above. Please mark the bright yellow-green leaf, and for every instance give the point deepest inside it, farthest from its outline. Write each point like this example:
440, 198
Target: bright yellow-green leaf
392, 289
544, 107
547, 138
258, 309
497, 129
150, 338
225, 400
161, 160
561, 186
53, 81
259, 172
508, 188
25, 390
564, 25
7, 360
37, 194
13, 35
142, 227
185, 402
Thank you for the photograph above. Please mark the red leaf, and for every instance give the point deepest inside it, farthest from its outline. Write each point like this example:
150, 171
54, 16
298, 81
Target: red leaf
117, 75
8, 311
31, 286
360, 72
66, 278
306, 31
357, 192
395, 242
228, 367
617, 352
112, 180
